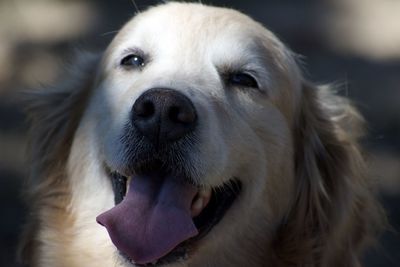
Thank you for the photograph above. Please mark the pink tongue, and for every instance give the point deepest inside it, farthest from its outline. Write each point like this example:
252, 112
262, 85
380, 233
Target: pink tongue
153, 218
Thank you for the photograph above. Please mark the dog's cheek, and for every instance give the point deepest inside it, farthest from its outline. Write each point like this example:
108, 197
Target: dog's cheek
229, 147
86, 157
269, 144
210, 151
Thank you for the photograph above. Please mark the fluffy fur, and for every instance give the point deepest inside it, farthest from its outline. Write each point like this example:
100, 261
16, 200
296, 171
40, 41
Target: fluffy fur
306, 199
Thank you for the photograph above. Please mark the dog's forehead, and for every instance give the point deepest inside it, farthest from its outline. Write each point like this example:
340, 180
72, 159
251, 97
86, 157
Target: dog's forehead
175, 26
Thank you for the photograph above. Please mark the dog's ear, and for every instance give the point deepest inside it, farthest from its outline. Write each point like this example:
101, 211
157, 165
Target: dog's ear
53, 113
333, 212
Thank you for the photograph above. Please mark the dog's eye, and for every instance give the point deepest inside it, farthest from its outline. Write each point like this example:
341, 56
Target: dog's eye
132, 60
243, 79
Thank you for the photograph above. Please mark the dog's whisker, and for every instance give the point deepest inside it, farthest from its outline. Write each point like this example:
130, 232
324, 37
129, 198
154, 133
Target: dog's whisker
135, 6
109, 33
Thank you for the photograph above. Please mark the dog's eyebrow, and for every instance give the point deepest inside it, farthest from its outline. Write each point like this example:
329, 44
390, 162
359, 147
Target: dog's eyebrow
254, 58
134, 50
254, 65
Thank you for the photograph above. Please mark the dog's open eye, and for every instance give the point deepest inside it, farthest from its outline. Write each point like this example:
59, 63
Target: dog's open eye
242, 79
132, 61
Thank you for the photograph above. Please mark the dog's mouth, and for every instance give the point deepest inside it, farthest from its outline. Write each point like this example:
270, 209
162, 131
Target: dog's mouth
160, 217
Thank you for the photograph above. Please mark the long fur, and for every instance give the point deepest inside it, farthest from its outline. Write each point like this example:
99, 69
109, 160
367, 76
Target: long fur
327, 223
54, 114
332, 217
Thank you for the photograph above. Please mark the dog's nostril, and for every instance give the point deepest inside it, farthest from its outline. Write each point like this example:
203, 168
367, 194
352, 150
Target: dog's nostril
174, 113
163, 115
145, 109
182, 115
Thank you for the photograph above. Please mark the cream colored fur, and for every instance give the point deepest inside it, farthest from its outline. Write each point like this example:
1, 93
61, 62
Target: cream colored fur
306, 198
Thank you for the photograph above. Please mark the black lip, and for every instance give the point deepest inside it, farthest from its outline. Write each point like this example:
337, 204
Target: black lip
221, 200
119, 184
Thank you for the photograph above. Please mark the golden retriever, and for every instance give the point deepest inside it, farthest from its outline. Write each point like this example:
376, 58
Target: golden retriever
194, 140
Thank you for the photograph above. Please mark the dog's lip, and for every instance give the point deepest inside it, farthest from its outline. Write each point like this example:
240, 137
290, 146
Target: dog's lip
217, 204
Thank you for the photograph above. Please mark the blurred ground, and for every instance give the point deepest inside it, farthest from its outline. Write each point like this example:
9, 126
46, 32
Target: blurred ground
353, 42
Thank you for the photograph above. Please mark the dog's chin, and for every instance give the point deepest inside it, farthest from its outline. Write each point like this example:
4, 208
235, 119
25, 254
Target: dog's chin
208, 207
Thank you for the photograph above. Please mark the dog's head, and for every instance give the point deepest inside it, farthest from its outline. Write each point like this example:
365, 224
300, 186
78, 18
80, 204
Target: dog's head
195, 136
192, 114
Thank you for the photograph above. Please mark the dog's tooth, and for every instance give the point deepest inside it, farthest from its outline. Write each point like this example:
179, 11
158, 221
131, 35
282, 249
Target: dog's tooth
201, 201
197, 206
128, 183
205, 193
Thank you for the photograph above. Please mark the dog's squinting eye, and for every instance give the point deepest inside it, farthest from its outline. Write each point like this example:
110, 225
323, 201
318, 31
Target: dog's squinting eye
133, 61
242, 79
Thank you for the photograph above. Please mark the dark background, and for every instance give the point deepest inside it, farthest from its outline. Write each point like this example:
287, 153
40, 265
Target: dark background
352, 43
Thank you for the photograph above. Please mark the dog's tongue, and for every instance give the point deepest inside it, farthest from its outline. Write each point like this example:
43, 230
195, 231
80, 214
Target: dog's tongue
153, 218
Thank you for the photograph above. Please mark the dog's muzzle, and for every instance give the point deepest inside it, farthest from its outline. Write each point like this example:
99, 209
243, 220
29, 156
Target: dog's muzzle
160, 209
155, 215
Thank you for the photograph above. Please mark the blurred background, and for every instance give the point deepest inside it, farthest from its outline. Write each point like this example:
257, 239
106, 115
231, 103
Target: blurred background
353, 43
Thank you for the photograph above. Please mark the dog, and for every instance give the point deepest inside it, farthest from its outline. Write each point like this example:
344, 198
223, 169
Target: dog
195, 140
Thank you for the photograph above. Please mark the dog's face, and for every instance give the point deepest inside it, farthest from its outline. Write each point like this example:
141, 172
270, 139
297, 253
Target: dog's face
195, 142
187, 129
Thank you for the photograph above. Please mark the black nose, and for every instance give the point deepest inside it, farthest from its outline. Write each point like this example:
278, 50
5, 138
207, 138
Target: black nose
163, 115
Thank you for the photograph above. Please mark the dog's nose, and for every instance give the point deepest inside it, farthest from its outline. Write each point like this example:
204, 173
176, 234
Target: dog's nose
163, 115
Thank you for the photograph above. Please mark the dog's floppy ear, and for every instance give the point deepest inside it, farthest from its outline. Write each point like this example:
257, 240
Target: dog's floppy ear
53, 113
331, 191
